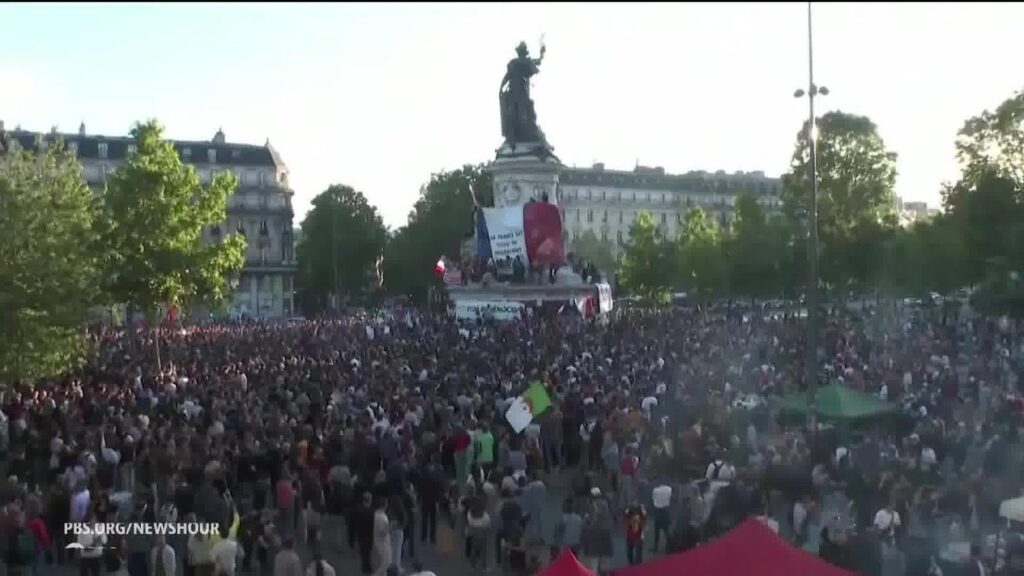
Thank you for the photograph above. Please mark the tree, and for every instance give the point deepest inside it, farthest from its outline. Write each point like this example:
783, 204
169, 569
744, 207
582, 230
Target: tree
441, 221
646, 268
755, 251
994, 141
701, 261
49, 272
856, 175
342, 240
596, 251
154, 210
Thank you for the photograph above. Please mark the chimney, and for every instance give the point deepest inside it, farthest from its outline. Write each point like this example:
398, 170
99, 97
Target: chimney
81, 129
218, 138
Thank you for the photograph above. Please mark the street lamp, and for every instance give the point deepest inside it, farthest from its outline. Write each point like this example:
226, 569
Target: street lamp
811, 348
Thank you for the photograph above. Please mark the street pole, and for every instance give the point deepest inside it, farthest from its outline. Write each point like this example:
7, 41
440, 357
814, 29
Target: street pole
811, 348
334, 257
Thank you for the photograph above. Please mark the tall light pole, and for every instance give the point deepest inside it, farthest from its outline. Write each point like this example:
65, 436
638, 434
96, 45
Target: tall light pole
811, 348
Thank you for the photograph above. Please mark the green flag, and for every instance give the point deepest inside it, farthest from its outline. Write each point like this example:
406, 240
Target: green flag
536, 397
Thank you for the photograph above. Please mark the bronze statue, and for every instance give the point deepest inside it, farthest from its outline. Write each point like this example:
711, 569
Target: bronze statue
518, 118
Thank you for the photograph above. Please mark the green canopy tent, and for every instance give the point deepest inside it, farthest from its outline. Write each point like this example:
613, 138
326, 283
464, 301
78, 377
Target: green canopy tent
838, 403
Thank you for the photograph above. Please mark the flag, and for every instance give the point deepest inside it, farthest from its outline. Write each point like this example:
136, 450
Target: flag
531, 404
439, 267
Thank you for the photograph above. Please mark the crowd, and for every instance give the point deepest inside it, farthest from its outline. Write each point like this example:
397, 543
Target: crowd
386, 434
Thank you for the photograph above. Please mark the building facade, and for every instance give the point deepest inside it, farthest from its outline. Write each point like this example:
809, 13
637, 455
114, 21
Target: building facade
607, 202
260, 208
911, 212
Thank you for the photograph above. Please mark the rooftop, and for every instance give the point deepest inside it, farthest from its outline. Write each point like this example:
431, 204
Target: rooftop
191, 151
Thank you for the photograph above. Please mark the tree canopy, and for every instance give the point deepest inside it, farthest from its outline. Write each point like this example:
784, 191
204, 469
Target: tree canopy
49, 265
154, 211
343, 234
440, 223
647, 263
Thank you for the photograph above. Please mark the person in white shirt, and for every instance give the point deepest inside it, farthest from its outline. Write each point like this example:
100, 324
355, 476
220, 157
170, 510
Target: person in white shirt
417, 569
719, 469
319, 566
226, 553
162, 560
661, 497
91, 553
887, 520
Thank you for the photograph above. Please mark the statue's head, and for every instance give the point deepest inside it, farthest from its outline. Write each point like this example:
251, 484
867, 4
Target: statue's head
522, 50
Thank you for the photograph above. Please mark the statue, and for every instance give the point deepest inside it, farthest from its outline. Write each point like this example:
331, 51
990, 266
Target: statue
518, 118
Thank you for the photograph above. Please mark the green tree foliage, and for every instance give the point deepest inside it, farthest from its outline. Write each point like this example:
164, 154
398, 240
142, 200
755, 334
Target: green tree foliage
343, 234
929, 256
647, 263
756, 250
440, 223
49, 271
594, 250
701, 266
856, 175
154, 210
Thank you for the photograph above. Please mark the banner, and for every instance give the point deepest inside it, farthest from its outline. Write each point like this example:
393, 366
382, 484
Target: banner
543, 226
483, 238
505, 228
499, 310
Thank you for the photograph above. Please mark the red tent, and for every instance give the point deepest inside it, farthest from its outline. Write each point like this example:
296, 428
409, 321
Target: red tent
566, 565
750, 549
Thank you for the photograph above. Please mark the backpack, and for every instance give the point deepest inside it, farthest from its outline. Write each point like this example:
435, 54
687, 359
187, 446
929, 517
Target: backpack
25, 546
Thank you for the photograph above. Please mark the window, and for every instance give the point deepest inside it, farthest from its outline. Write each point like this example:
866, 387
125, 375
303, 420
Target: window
604, 218
262, 175
243, 284
664, 218
603, 197
211, 155
577, 215
679, 218
236, 154
575, 235
102, 149
590, 216
619, 237
186, 153
132, 148
604, 235
73, 148
620, 217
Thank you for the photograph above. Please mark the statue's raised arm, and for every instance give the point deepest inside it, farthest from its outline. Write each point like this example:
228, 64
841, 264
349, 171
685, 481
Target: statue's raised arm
518, 119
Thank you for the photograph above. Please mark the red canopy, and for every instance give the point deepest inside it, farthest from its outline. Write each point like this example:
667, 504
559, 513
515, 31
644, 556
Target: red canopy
750, 549
566, 565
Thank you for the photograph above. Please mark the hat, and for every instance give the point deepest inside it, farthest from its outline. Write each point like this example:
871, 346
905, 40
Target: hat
595, 491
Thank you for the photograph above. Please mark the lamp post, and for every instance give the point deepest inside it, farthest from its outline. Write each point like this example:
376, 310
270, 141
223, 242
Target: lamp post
811, 348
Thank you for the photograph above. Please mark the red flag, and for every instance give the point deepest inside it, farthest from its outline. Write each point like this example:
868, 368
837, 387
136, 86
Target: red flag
542, 224
440, 266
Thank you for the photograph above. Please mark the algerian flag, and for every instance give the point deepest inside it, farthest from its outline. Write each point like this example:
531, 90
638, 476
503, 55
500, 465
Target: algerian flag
525, 408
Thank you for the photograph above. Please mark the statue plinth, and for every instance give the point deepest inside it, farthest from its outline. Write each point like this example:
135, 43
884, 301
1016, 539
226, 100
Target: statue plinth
523, 171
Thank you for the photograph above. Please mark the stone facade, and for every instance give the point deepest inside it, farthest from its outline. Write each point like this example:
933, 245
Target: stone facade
608, 201
261, 207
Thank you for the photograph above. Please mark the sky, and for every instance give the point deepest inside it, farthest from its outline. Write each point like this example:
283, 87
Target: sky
380, 96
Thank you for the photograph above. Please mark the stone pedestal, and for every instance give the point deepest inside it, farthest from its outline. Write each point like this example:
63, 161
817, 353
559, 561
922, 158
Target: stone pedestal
524, 171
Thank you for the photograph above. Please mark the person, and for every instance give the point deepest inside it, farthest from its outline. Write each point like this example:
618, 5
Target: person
381, 540
225, 554
976, 566
362, 531
661, 498
198, 561
887, 520
636, 522
418, 570
396, 515
429, 489
44, 544
22, 548
478, 525
287, 562
91, 554
483, 444
319, 566
569, 531
162, 559
720, 469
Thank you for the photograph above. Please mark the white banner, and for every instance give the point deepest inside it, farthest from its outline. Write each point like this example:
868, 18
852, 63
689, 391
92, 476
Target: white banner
499, 310
508, 239
519, 415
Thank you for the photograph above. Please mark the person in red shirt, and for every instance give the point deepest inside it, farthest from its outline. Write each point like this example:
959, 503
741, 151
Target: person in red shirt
636, 523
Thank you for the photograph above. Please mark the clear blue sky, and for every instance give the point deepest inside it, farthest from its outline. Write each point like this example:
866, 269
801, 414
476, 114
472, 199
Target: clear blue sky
380, 96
